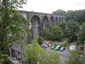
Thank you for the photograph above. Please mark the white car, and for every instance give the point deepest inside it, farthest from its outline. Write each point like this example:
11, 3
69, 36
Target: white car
62, 48
53, 47
44, 46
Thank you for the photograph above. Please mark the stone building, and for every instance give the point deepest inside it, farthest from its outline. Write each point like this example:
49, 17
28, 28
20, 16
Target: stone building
36, 21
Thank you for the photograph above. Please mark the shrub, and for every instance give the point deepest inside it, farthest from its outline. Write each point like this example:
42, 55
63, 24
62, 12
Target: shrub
75, 58
46, 33
50, 58
65, 43
54, 34
57, 33
40, 40
3, 59
70, 29
32, 52
82, 34
35, 54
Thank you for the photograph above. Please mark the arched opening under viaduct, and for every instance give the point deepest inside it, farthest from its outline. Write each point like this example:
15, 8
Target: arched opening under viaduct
56, 21
45, 22
35, 26
51, 21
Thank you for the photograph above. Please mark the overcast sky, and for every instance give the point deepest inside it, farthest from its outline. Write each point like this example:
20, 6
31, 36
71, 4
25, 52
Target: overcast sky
48, 6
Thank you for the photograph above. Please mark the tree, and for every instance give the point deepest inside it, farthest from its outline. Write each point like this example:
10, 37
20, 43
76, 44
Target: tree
82, 33
54, 34
60, 12
45, 33
64, 27
34, 54
40, 40
57, 33
75, 58
50, 58
77, 15
73, 30
11, 22
70, 15
70, 29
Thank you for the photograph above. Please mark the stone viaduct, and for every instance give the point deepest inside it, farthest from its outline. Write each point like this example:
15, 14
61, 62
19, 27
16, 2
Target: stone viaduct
38, 20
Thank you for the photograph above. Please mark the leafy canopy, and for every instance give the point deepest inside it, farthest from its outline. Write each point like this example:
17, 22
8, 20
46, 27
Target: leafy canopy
54, 34
11, 22
82, 33
34, 53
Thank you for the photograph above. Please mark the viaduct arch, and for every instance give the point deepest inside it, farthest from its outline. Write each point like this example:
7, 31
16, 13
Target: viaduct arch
39, 20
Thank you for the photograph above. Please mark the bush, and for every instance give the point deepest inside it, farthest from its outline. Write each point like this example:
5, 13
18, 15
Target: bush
82, 34
50, 58
3, 59
54, 34
46, 33
65, 43
40, 40
32, 53
75, 58
57, 33
70, 29
35, 54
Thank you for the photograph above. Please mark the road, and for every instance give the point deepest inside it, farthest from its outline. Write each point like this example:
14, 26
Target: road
64, 55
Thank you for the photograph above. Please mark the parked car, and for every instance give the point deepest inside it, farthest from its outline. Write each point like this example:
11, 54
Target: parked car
57, 47
48, 43
53, 47
62, 48
72, 47
44, 46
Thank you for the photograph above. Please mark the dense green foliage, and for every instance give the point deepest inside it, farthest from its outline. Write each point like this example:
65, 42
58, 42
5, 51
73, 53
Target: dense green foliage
71, 29
35, 54
75, 58
12, 24
57, 33
77, 15
64, 27
82, 33
32, 53
50, 58
3, 59
54, 34
60, 12
40, 40
45, 33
